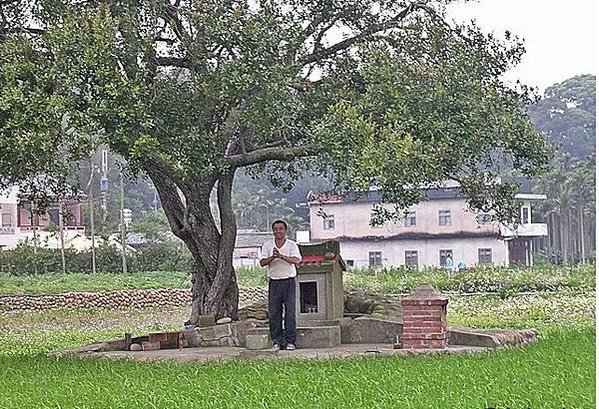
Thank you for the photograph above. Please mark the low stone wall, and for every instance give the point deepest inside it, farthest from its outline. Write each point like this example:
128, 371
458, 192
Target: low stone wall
114, 299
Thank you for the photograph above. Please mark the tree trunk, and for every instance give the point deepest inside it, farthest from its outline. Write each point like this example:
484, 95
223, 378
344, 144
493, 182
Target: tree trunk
564, 238
214, 285
582, 249
123, 228
61, 233
91, 213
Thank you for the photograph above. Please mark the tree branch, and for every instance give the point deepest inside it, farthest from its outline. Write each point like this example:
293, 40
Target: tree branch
345, 44
272, 153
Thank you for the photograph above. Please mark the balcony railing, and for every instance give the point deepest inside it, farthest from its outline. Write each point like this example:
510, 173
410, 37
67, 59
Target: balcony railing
7, 230
525, 230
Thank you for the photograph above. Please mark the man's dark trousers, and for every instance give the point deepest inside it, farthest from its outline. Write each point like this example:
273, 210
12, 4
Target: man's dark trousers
282, 293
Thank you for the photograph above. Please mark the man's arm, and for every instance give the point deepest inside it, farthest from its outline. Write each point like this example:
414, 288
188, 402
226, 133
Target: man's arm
291, 259
295, 257
266, 261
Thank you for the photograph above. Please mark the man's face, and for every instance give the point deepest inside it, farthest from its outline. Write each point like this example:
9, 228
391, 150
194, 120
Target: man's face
278, 230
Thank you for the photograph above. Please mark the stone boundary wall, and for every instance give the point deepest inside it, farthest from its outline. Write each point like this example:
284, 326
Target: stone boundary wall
115, 299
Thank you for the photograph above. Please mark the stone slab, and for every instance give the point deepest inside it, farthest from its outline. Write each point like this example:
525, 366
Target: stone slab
150, 346
263, 353
258, 341
207, 321
490, 338
312, 337
223, 354
368, 330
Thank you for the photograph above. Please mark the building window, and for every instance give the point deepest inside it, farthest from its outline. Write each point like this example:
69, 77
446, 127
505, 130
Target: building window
525, 219
6, 220
350, 263
375, 259
329, 222
485, 257
410, 219
483, 218
444, 217
443, 254
411, 258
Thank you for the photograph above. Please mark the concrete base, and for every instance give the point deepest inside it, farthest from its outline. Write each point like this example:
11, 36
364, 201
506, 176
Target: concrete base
311, 337
262, 353
256, 342
490, 338
367, 330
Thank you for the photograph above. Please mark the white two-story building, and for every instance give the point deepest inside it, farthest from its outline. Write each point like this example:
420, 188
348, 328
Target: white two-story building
432, 230
10, 233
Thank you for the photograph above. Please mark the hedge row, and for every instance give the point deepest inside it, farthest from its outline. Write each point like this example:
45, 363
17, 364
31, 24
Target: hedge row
155, 257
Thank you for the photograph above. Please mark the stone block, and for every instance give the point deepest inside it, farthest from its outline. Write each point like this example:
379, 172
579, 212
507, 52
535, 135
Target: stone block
489, 338
135, 347
472, 338
192, 336
207, 321
217, 335
258, 341
318, 337
368, 330
241, 330
150, 346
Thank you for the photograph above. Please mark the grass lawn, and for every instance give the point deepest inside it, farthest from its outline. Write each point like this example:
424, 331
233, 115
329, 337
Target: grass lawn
506, 281
557, 371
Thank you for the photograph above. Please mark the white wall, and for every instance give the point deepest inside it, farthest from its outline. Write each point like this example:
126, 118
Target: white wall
393, 251
352, 220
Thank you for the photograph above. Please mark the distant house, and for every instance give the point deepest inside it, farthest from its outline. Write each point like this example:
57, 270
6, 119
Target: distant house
17, 222
248, 247
10, 233
430, 232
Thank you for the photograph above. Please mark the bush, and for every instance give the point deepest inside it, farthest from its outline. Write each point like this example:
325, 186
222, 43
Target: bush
156, 257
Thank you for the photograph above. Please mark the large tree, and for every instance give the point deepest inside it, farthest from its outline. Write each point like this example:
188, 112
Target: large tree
566, 114
386, 94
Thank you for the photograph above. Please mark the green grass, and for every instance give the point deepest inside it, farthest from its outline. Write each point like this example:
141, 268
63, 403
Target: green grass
555, 372
505, 281
58, 282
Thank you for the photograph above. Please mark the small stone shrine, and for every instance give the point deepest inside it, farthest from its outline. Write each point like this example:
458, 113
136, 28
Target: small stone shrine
319, 283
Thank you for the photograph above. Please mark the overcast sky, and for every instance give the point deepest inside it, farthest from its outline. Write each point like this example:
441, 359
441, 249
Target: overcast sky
560, 36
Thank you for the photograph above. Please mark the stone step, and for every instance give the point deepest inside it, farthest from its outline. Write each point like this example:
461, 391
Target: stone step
311, 337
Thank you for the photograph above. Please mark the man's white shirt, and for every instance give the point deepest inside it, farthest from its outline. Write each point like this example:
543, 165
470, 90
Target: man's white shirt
280, 269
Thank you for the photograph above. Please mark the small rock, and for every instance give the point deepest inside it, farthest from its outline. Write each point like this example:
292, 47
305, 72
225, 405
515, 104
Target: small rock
224, 320
135, 347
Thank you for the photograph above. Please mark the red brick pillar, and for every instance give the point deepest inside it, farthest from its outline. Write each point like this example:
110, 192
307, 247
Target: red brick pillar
424, 319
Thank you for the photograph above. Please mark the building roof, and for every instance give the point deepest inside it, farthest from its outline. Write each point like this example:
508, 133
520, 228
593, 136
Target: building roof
451, 190
247, 239
421, 236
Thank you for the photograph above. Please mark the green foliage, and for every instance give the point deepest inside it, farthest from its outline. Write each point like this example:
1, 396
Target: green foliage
505, 281
54, 283
559, 370
155, 257
406, 100
567, 115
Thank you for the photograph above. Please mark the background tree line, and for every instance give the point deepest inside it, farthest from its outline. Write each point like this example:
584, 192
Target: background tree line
566, 114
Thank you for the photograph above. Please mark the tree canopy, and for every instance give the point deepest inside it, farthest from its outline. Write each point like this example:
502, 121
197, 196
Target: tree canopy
566, 115
382, 94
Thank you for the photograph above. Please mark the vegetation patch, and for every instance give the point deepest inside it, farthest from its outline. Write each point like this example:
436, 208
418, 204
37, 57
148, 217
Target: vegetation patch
505, 281
555, 372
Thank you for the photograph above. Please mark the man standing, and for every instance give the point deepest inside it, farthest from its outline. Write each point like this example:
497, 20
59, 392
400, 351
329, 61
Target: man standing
283, 256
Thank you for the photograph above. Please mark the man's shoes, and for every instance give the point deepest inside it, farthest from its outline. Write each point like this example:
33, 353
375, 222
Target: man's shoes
290, 347
276, 347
